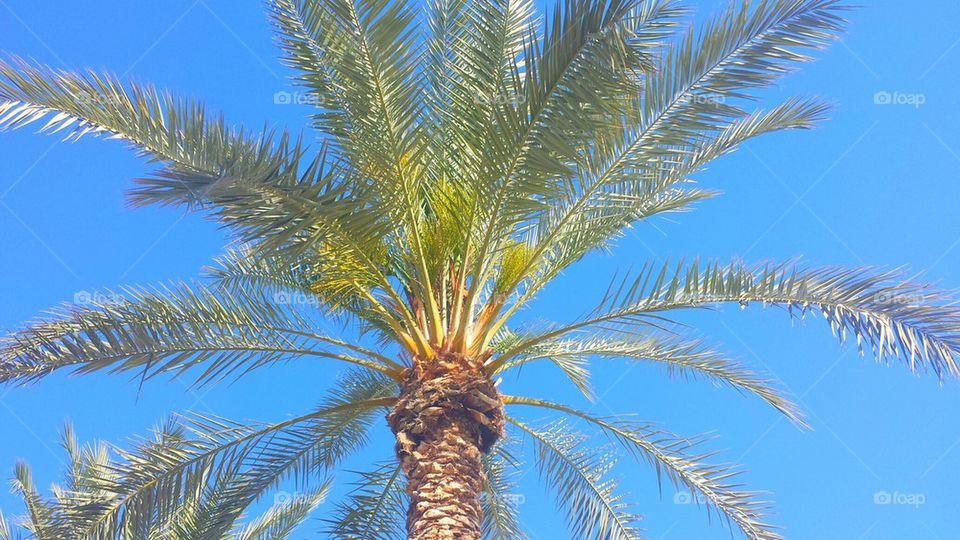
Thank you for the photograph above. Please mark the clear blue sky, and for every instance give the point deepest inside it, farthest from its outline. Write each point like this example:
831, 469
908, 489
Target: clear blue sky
876, 185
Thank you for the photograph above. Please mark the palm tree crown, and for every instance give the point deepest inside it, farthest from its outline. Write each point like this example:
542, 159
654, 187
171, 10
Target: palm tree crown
469, 154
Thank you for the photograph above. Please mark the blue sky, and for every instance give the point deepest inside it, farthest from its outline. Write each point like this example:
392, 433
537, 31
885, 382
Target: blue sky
876, 185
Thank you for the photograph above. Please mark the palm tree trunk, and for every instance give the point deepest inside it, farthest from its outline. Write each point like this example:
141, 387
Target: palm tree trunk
448, 415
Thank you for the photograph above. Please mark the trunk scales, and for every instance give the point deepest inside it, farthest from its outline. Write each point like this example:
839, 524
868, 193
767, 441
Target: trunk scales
448, 415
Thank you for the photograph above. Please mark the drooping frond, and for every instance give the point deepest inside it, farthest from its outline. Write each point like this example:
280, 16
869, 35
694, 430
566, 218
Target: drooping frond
500, 499
200, 152
168, 330
264, 187
683, 357
578, 475
282, 519
893, 317
683, 463
375, 508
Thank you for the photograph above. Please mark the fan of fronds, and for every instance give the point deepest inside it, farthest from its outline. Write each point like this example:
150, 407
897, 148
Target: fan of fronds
469, 154
207, 510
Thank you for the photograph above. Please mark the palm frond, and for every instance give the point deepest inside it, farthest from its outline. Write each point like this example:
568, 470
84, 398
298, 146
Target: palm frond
152, 478
680, 356
6, 533
206, 510
198, 147
589, 216
579, 477
42, 521
369, 50
676, 458
880, 310
473, 46
263, 186
159, 125
306, 281
209, 510
376, 507
575, 367
358, 58
281, 520
168, 330
244, 269
568, 85
500, 500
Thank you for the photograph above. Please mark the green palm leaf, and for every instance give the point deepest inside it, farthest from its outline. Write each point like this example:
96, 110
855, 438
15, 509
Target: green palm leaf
895, 318
500, 500
468, 155
579, 477
683, 357
280, 521
375, 508
153, 477
206, 511
168, 330
676, 458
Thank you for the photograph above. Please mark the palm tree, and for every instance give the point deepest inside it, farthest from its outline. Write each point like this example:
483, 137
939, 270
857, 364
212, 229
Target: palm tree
210, 511
467, 159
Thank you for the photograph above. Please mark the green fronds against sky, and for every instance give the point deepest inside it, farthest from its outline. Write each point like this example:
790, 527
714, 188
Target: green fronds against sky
469, 153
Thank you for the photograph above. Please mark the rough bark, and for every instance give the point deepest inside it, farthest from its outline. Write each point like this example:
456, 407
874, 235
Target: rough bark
448, 415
